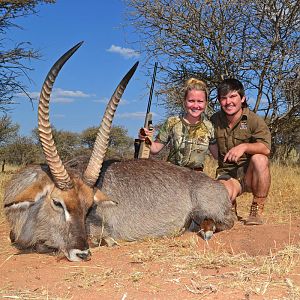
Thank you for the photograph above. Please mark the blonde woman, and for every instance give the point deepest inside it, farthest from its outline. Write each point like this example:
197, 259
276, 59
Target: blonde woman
189, 136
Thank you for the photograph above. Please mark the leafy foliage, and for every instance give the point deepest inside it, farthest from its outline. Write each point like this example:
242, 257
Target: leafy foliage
8, 130
120, 145
13, 57
24, 150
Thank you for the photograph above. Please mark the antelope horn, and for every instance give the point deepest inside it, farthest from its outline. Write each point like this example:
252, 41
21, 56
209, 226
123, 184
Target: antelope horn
93, 169
61, 178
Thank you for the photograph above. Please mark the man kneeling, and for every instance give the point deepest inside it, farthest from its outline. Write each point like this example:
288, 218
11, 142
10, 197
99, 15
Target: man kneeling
244, 143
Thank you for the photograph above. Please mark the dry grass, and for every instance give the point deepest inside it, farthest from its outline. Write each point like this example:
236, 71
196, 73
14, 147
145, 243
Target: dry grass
37, 294
283, 200
157, 263
212, 271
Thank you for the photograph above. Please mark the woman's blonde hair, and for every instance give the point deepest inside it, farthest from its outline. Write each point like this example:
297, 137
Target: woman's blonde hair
195, 84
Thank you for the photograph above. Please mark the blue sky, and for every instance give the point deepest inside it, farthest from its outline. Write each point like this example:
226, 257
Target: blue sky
89, 78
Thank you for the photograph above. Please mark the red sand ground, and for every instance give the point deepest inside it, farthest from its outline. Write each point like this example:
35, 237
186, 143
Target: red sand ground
129, 272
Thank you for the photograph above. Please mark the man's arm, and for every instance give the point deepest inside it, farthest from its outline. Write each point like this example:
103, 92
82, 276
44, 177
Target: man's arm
235, 153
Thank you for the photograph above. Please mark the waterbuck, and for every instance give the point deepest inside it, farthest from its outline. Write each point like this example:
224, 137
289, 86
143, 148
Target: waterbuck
54, 207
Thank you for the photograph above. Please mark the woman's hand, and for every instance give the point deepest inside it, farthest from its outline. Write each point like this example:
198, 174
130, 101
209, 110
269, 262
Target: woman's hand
147, 136
144, 133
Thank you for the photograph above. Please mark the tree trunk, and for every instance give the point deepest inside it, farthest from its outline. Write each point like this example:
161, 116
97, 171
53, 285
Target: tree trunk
3, 165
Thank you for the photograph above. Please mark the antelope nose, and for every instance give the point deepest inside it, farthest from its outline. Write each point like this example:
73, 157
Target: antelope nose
85, 255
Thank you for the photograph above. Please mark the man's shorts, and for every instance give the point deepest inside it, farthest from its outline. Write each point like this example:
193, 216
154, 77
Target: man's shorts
236, 173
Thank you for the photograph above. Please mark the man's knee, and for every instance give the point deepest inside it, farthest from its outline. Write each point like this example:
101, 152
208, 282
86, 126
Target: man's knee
259, 161
233, 188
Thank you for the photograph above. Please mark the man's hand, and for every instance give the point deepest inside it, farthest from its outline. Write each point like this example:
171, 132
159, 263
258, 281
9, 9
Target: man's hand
234, 154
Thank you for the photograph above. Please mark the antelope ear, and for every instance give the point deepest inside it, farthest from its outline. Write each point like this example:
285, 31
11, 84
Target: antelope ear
31, 194
102, 199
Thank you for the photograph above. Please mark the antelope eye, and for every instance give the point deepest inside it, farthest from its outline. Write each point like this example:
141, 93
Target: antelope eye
57, 203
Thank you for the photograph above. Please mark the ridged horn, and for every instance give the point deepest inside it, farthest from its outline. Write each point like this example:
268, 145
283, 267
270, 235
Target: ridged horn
93, 169
61, 178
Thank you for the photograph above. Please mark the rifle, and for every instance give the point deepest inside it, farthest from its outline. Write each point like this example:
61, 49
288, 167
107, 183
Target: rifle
142, 148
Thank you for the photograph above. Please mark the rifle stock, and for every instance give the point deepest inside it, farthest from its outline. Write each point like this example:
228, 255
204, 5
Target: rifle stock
144, 149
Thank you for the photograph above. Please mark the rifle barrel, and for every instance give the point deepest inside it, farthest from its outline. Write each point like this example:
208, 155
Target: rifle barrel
151, 88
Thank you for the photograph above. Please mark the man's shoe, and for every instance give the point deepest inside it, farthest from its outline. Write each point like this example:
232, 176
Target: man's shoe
255, 215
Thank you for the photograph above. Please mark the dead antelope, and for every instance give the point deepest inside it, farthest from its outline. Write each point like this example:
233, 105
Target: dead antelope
46, 205
52, 207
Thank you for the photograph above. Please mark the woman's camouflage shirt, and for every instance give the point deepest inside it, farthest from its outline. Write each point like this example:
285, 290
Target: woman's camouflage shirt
188, 143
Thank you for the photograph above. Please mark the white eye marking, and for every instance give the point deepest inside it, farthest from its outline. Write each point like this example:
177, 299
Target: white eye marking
67, 215
61, 204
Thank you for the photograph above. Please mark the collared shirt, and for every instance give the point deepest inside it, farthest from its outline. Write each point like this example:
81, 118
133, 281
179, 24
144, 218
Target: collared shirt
188, 143
250, 128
